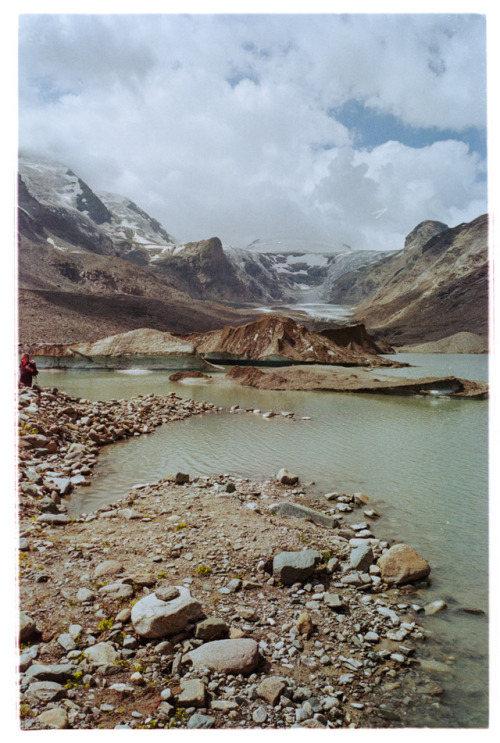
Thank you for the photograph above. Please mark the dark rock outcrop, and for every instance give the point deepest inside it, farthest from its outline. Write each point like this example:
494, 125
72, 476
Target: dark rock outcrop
280, 340
355, 338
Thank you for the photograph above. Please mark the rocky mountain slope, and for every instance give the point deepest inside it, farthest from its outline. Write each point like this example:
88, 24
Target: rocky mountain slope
58, 209
433, 288
78, 219
341, 281
96, 264
86, 265
457, 343
206, 270
306, 268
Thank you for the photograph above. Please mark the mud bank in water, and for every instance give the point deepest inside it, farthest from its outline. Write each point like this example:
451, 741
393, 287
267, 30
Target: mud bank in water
338, 379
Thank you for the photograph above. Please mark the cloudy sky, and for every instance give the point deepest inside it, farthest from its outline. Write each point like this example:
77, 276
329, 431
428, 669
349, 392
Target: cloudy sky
332, 128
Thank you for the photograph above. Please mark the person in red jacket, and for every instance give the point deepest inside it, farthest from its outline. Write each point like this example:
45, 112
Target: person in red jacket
27, 370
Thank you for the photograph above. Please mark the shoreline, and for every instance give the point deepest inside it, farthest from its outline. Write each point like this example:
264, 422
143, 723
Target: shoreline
337, 644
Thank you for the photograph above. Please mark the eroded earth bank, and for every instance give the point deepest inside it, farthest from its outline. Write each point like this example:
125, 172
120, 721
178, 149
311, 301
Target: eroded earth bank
199, 602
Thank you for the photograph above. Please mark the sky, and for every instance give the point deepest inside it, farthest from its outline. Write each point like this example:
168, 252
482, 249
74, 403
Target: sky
333, 129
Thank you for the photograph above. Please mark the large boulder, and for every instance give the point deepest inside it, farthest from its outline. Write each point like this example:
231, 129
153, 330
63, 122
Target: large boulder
402, 564
59, 672
227, 656
295, 567
153, 617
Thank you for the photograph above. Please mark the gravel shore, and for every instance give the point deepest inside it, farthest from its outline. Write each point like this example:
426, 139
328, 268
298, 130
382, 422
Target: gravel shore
199, 602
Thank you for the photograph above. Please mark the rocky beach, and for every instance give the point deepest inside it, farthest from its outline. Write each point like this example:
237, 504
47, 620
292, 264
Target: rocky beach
216, 601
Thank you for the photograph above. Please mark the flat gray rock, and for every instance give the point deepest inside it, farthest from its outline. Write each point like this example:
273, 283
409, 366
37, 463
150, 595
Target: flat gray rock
101, 654
334, 601
200, 721
61, 484
53, 719
78, 479
45, 691
152, 617
227, 656
85, 594
296, 510
129, 514
117, 591
59, 672
66, 641
259, 715
211, 628
108, 567
56, 519
27, 657
361, 557
192, 693
295, 567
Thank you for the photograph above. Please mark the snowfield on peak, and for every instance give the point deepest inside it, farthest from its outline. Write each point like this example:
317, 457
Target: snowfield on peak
50, 183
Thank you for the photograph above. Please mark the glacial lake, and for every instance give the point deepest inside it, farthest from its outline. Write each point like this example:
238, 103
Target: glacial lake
422, 461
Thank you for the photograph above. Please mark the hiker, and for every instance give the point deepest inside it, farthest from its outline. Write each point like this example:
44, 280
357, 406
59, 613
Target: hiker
27, 370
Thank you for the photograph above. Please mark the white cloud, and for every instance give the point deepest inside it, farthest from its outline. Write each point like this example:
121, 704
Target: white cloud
370, 198
223, 125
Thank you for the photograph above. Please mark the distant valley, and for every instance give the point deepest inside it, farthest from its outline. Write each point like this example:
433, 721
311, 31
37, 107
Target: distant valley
91, 265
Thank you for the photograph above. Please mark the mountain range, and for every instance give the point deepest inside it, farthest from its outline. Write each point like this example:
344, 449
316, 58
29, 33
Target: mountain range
93, 264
